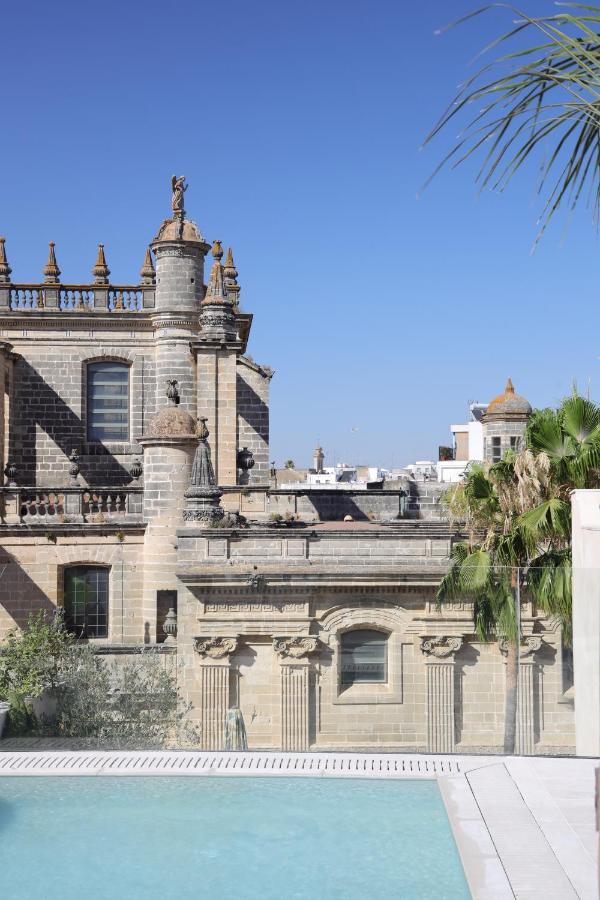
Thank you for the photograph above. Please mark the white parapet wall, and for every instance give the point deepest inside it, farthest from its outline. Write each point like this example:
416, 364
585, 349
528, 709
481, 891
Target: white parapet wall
586, 620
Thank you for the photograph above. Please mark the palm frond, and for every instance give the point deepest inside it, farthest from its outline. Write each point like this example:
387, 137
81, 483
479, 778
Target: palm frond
547, 91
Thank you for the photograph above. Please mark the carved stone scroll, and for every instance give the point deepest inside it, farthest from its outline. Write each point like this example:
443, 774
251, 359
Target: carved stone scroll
215, 647
295, 647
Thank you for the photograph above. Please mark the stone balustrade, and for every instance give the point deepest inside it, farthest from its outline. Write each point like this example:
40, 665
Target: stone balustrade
70, 505
76, 298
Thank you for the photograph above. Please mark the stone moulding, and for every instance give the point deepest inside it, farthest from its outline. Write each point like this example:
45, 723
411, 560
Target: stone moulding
441, 646
215, 647
295, 647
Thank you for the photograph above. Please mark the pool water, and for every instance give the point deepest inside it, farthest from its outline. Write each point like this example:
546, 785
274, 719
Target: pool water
221, 838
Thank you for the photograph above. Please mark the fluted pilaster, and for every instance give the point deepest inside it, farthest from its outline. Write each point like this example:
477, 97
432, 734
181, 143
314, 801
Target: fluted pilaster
439, 667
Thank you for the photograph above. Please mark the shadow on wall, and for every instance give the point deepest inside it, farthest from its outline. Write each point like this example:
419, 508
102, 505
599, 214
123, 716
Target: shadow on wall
466, 658
20, 597
36, 403
255, 413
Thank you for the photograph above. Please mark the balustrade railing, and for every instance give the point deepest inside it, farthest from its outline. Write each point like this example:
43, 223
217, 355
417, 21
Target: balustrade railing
76, 298
63, 506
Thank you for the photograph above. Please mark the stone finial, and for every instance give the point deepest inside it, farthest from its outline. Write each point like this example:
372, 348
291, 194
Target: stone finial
215, 292
148, 272
51, 270
203, 495
510, 388
202, 430
5, 269
230, 274
217, 250
100, 270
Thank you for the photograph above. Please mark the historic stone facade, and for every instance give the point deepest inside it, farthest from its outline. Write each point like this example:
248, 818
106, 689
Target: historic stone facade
134, 433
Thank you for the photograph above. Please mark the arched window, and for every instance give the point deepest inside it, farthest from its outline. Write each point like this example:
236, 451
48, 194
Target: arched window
86, 601
108, 401
364, 657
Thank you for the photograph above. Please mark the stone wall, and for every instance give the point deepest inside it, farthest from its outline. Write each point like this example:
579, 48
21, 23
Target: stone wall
275, 653
31, 577
421, 500
48, 408
253, 419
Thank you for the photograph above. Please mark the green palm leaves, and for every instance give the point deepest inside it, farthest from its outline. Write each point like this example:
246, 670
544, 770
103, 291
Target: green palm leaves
539, 98
570, 436
518, 518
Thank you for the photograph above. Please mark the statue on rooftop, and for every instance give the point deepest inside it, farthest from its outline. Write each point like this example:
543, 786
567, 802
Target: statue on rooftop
179, 188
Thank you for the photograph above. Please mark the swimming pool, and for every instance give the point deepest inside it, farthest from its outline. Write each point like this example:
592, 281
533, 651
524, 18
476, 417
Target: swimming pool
225, 838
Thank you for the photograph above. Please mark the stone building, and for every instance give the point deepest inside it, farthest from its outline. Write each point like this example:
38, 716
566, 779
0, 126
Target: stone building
325, 633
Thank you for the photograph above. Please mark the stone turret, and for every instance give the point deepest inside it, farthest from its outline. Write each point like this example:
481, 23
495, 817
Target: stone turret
504, 423
180, 249
169, 445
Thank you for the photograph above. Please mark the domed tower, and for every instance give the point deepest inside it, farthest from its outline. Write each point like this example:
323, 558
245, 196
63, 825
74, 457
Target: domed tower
180, 250
504, 423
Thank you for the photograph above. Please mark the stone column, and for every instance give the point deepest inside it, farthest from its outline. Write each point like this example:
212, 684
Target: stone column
439, 667
293, 653
215, 670
525, 737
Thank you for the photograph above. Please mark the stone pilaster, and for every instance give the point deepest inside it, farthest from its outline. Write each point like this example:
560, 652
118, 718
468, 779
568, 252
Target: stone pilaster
293, 654
525, 738
439, 666
215, 671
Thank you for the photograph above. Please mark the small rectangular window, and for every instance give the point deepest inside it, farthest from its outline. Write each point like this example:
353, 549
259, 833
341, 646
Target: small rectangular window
108, 402
86, 601
496, 449
514, 442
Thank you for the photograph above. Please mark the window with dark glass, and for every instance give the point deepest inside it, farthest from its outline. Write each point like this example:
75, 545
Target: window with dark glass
514, 442
496, 449
364, 657
108, 401
86, 601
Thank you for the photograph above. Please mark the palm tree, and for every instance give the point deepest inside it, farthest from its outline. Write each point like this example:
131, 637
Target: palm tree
541, 98
518, 521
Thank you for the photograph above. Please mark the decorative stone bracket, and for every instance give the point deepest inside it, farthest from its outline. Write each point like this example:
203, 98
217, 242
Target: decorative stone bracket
215, 647
296, 647
440, 646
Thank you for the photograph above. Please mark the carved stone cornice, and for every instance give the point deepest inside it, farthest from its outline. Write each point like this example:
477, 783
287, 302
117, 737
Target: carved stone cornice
215, 647
441, 646
295, 647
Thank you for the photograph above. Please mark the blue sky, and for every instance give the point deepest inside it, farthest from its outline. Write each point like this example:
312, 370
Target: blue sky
298, 126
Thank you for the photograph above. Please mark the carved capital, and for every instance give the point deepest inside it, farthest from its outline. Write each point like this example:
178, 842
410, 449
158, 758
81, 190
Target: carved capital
215, 647
529, 645
295, 647
440, 646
